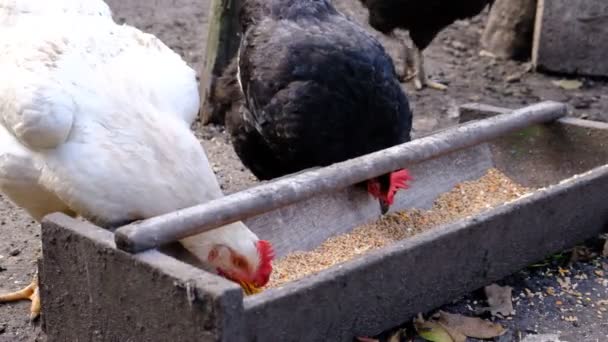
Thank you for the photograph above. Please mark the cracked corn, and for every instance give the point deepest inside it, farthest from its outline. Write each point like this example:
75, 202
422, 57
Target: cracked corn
466, 199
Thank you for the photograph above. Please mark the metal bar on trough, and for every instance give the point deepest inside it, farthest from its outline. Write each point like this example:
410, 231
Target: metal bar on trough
163, 229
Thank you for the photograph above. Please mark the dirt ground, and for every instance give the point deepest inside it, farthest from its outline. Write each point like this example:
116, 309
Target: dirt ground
452, 59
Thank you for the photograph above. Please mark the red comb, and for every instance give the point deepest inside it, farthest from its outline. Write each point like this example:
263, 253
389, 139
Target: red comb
265, 269
399, 180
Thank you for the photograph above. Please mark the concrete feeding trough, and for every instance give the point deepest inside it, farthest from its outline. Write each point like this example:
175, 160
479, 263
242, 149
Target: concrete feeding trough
93, 290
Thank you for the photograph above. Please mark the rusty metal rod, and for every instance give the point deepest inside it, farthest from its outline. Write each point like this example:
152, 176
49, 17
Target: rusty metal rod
159, 230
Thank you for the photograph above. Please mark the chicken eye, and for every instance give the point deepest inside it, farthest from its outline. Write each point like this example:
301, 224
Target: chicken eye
239, 262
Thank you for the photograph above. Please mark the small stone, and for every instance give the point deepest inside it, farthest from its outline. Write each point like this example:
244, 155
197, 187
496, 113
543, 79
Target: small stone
581, 102
514, 78
458, 45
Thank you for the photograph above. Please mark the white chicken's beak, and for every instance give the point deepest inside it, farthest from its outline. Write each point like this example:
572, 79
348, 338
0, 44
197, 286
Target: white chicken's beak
249, 288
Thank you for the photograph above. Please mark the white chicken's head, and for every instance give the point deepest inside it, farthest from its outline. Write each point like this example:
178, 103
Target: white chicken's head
236, 253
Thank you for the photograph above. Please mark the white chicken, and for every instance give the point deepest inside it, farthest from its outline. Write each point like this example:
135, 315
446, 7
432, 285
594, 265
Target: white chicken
95, 121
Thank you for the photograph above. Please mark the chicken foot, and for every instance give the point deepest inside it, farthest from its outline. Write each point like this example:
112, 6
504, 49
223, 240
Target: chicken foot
30, 292
414, 69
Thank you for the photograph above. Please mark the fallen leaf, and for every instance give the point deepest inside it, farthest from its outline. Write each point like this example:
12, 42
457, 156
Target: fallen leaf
456, 335
485, 53
568, 84
431, 331
513, 78
581, 253
550, 291
471, 326
564, 283
499, 300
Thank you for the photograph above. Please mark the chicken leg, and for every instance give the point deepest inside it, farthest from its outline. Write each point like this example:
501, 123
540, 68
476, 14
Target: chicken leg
414, 69
30, 292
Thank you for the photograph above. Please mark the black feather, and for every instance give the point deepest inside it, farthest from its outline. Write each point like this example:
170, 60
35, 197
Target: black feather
317, 89
424, 19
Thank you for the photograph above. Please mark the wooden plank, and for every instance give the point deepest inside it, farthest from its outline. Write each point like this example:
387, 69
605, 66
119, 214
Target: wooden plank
222, 45
171, 227
572, 37
538, 24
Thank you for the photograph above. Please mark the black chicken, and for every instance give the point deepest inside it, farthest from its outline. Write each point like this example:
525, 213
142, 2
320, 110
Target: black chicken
318, 89
424, 19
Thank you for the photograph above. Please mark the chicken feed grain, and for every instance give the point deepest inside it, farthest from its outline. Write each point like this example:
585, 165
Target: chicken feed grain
464, 200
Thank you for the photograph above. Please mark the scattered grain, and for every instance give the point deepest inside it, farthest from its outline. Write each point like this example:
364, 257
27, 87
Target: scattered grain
466, 199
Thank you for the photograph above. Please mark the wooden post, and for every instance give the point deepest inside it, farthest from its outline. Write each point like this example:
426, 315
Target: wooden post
509, 29
538, 22
222, 45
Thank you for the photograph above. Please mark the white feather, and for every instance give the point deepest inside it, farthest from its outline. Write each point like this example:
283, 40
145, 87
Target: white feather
95, 119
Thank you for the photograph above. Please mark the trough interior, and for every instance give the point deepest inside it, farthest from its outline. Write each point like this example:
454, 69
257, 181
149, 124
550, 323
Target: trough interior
541, 155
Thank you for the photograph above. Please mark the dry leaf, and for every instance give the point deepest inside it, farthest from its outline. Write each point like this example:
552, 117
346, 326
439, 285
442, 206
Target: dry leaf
581, 253
568, 84
485, 53
499, 300
456, 335
431, 331
564, 283
471, 326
